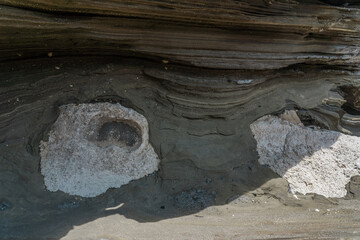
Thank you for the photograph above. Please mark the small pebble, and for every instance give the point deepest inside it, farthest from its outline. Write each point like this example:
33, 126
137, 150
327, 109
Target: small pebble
4, 205
317, 210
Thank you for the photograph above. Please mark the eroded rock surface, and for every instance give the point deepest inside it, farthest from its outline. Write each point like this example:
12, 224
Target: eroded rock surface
199, 80
312, 161
93, 147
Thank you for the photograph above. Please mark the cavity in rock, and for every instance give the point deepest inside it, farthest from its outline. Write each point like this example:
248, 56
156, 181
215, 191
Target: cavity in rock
119, 131
93, 147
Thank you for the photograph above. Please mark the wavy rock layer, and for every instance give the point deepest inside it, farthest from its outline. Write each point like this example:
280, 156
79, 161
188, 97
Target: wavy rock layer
199, 71
248, 34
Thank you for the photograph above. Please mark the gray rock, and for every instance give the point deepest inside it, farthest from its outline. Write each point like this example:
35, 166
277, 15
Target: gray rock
93, 147
312, 161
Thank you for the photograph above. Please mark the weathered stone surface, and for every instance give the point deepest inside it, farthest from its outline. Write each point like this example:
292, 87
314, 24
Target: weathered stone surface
199, 80
93, 147
312, 161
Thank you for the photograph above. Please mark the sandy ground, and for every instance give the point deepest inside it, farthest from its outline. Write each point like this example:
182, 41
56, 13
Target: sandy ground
245, 217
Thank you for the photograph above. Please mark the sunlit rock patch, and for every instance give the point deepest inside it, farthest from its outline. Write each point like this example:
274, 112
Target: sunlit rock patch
312, 161
93, 147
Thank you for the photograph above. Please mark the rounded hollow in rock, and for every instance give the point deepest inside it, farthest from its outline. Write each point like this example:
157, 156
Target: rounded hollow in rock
94, 147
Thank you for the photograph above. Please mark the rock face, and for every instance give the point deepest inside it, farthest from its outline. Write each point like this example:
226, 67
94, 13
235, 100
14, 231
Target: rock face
199, 80
312, 161
93, 147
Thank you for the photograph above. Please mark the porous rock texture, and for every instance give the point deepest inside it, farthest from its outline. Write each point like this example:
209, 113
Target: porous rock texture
312, 161
199, 71
93, 147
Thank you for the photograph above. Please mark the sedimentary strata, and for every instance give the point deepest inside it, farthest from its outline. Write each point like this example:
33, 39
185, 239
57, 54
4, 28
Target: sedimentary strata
200, 72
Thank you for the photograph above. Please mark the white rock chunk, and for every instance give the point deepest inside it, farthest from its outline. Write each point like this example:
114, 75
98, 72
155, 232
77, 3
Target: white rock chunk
312, 161
93, 147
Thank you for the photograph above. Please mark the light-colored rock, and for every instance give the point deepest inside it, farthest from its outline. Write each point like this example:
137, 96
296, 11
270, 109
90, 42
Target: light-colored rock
312, 161
291, 116
93, 147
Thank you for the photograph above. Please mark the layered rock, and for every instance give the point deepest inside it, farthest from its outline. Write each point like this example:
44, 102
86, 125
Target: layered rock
248, 34
199, 71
